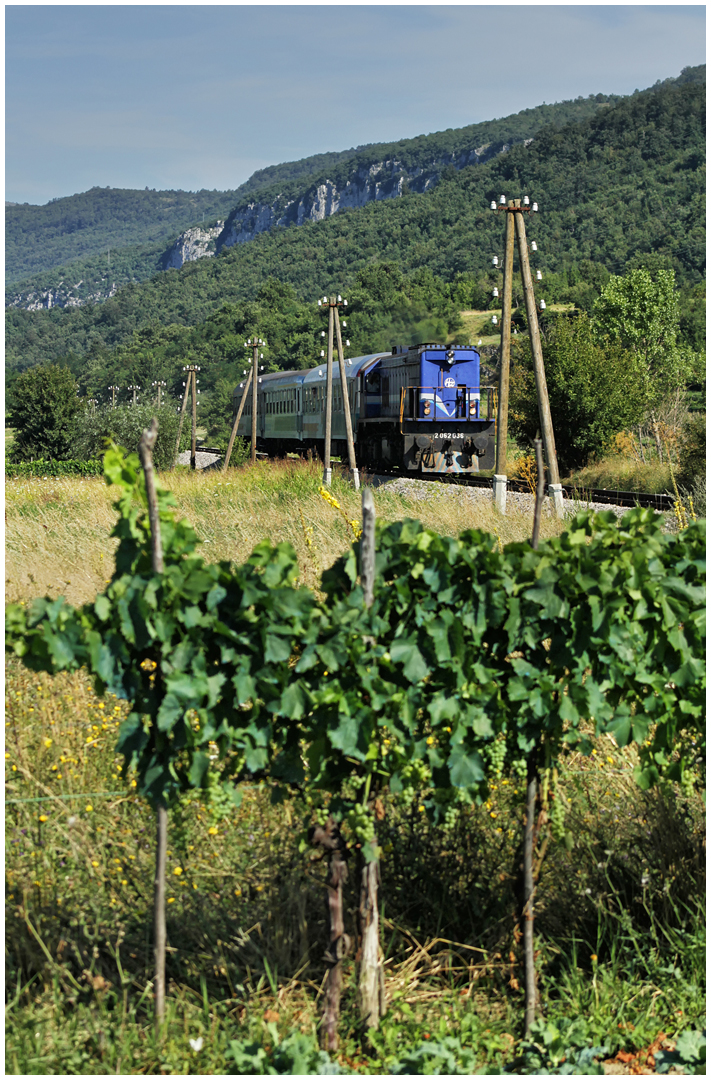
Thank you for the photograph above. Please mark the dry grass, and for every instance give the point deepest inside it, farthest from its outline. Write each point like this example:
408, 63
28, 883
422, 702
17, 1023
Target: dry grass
624, 472
58, 530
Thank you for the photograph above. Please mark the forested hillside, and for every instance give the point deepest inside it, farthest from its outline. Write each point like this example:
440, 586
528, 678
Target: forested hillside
39, 238
66, 241
625, 186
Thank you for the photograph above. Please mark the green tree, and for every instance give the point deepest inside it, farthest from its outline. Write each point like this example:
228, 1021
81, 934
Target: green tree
641, 312
44, 410
595, 388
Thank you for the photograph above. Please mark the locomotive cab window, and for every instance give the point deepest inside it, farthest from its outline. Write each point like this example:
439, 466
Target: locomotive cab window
372, 382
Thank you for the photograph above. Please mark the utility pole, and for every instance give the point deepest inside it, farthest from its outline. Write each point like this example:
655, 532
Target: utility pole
114, 390
254, 344
502, 419
134, 388
92, 401
327, 472
346, 404
182, 414
158, 386
515, 209
190, 388
238, 417
333, 304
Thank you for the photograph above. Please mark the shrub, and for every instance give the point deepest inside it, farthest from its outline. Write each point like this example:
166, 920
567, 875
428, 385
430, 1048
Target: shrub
43, 410
692, 452
595, 389
125, 424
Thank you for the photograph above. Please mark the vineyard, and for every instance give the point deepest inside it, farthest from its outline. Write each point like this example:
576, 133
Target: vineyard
441, 815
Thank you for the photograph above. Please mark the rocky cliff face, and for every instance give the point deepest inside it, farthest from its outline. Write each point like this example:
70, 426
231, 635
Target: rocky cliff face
61, 295
195, 243
323, 197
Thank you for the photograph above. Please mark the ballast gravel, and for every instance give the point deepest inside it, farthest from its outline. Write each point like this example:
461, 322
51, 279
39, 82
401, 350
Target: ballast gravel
202, 460
516, 501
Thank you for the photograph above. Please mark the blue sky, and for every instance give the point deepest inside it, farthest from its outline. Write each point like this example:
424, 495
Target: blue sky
200, 96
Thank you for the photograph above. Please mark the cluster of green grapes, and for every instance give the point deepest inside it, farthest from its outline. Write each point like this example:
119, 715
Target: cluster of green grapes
321, 815
495, 754
218, 802
453, 808
520, 769
415, 775
360, 822
687, 783
556, 815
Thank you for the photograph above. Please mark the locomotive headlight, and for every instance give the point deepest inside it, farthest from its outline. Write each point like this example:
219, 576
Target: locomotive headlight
472, 408
449, 356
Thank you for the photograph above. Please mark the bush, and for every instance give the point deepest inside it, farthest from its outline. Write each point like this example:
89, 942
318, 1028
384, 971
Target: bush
125, 425
692, 461
43, 410
596, 388
692, 451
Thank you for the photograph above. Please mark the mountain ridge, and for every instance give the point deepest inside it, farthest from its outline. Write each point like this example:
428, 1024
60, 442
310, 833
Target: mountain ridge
626, 185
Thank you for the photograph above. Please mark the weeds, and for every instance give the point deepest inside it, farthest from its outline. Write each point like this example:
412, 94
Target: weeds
619, 906
621, 943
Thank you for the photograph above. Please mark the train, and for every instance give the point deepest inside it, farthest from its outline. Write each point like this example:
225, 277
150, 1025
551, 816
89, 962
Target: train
420, 409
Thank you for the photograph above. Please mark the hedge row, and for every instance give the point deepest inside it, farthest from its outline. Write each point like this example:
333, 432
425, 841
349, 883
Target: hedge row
93, 467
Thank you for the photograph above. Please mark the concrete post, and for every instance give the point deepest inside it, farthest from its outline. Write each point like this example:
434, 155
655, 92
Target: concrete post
500, 484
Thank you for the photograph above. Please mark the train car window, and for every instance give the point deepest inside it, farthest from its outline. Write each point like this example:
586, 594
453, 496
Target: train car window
372, 382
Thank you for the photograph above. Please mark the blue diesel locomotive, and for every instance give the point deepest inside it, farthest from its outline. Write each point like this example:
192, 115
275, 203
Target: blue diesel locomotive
421, 409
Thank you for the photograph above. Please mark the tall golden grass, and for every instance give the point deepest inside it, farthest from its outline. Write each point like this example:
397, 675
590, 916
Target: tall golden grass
58, 530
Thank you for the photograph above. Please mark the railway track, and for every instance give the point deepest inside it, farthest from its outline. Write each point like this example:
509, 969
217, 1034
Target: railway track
657, 501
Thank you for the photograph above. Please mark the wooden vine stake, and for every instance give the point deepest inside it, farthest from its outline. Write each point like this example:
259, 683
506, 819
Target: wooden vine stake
371, 997
145, 452
529, 839
329, 837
